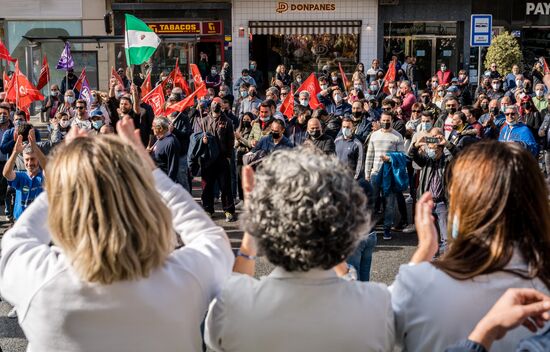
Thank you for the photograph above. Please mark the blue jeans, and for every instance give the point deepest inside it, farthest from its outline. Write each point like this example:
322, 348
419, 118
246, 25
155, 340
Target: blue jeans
389, 199
440, 212
361, 258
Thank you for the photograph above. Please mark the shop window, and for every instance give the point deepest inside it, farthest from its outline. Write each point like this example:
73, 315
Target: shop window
305, 53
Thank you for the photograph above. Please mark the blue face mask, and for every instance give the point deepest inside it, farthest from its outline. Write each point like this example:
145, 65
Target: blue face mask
430, 153
454, 227
304, 102
426, 126
346, 132
244, 94
97, 124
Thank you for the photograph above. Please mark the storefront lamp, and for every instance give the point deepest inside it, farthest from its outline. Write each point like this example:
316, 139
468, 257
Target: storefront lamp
241, 32
369, 27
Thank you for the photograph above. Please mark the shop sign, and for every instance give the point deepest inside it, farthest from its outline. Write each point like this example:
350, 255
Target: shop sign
283, 7
534, 9
205, 27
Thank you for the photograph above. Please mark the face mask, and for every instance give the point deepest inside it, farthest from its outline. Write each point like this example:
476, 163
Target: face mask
441, 93
496, 86
334, 79
357, 115
54, 93
252, 94
69, 100
64, 123
484, 106
454, 227
94, 99
314, 134
434, 84
393, 91
217, 108
443, 68
513, 123
97, 124
265, 119
244, 94
299, 80
213, 72
118, 95
358, 87
456, 127
461, 77
246, 124
18, 123
539, 93
521, 95
519, 84
426, 126
252, 67
275, 135
494, 111
425, 100
346, 132
337, 98
374, 88
451, 110
304, 102
386, 125
324, 87
526, 105
430, 153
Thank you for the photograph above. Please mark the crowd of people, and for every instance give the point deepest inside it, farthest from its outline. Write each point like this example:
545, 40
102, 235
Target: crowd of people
93, 263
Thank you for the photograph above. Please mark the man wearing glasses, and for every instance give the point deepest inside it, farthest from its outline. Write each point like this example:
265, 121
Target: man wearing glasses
518, 132
81, 118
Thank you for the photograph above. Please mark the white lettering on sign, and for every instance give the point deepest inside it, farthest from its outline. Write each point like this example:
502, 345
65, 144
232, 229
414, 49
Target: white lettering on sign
540, 8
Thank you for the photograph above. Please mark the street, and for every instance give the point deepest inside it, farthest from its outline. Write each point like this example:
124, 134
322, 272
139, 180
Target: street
388, 255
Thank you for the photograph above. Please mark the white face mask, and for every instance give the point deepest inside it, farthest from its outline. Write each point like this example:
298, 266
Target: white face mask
69, 99
64, 123
496, 86
519, 83
539, 93
393, 91
324, 86
337, 98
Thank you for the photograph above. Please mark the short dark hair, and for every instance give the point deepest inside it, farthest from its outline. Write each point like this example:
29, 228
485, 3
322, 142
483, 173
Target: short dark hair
279, 122
428, 114
126, 97
81, 101
388, 102
347, 119
264, 104
462, 116
388, 113
317, 113
270, 103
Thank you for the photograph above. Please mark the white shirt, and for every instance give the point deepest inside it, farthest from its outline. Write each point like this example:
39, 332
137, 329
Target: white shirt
434, 311
300, 311
60, 312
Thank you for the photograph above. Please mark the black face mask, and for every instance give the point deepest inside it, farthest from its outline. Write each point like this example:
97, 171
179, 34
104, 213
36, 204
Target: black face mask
425, 100
275, 135
386, 125
315, 134
494, 111
484, 106
357, 115
526, 105
217, 108
247, 124
252, 94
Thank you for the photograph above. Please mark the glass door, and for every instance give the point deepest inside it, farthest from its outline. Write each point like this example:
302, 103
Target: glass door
422, 49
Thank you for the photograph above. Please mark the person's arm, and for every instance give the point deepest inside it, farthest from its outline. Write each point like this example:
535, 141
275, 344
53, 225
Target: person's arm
173, 161
42, 160
414, 154
245, 262
425, 229
525, 306
369, 160
9, 172
360, 160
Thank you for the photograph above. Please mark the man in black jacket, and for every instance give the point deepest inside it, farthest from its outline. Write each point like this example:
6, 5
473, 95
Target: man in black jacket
316, 137
166, 150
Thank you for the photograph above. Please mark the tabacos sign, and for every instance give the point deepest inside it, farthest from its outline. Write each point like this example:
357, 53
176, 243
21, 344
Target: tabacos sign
537, 8
283, 7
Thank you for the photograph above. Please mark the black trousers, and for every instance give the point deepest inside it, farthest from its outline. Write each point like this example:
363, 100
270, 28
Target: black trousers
219, 171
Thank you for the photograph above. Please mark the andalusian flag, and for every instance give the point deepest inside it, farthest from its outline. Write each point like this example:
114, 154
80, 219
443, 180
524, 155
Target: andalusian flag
141, 42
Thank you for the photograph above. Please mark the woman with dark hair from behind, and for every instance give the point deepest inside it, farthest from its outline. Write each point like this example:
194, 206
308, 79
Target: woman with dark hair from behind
500, 226
306, 213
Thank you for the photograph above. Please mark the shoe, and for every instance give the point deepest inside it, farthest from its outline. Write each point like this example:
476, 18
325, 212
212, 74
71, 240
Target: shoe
229, 217
237, 201
9, 218
409, 229
387, 235
12, 314
397, 228
239, 206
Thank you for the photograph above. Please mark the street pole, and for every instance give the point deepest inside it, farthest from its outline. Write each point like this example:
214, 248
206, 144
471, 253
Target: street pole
478, 66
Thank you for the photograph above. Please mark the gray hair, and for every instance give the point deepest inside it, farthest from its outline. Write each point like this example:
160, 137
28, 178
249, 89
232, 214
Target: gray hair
306, 211
304, 93
511, 107
272, 90
162, 121
28, 149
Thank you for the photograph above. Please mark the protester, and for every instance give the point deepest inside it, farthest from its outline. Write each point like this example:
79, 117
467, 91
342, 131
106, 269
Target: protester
499, 241
317, 138
52, 102
81, 118
298, 210
166, 150
61, 124
132, 259
68, 82
517, 132
275, 140
297, 126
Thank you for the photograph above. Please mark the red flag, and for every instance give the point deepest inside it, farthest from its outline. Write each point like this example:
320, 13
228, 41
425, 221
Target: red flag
22, 91
81, 78
312, 86
7, 81
287, 106
5, 54
197, 78
44, 77
389, 77
176, 79
545, 68
344, 77
114, 74
155, 98
183, 104
146, 87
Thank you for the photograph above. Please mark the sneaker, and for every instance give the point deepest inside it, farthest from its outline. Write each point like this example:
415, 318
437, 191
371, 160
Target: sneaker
229, 217
387, 235
409, 229
12, 314
239, 206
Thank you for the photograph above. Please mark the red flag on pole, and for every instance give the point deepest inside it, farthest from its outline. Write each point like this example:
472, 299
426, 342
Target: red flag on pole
155, 98
176, 79
114, 74
183, 104
81, 78
389, 77
344, 77
197, 78
7, 81
44, 77
287, 106
146, 87
5, 54
544, 64
22, 91
312, 86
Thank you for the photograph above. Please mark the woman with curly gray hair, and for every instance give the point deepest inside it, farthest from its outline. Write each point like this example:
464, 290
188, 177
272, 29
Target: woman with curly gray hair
306, 214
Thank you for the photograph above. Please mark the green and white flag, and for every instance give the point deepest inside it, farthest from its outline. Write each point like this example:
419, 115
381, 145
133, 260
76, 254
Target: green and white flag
141, 41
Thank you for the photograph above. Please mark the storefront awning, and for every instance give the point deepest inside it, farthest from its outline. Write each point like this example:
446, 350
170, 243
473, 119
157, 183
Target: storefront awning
304, 27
